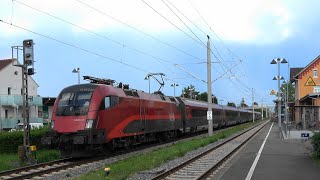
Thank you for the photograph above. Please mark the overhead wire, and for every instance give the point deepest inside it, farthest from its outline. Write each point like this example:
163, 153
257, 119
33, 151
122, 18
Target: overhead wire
219, 39
74, 46
172, 23
138, 30
91, 52
99, 35
189, 36
183, 23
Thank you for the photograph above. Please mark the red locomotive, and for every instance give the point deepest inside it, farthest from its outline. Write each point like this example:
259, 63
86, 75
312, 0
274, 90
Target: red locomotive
94, 117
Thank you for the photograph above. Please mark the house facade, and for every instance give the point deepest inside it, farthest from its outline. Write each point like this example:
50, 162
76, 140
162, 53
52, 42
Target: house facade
11, 95
307, 94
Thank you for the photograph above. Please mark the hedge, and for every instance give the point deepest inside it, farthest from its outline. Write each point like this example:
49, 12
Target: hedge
9, 141
315, 140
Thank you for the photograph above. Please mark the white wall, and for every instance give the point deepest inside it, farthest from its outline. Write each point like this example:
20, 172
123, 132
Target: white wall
9, 79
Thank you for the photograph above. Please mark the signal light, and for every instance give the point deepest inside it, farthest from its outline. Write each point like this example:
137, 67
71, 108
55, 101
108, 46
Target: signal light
28, 52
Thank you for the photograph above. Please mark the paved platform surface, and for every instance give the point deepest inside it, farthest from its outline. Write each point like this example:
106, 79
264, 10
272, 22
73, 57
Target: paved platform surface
279, 160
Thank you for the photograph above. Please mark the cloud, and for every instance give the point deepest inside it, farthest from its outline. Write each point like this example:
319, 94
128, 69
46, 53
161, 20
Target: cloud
246, 21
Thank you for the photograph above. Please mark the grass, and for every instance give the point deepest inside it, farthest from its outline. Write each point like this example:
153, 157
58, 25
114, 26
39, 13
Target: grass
12, 161
128, 167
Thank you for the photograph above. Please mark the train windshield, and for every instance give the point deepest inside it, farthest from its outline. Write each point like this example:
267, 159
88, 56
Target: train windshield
73, 103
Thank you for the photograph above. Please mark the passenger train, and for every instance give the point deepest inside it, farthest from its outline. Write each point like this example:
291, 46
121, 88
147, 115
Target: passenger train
98, 117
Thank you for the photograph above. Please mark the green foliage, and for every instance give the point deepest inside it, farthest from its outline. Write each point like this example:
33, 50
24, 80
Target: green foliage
243, 103
291, 91
9, 161
47, 155
128, 167
9, 141
232, 104
12, 161
315, 140
189, 92
204, 97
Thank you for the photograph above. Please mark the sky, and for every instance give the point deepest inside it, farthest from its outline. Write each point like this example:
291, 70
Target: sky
125, 40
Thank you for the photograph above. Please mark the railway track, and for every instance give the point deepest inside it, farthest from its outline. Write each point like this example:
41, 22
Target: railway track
45, 170
42, 170
202, 165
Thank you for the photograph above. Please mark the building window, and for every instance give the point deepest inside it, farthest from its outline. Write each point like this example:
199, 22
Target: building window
9, 90
315, 73
316, 89
6, 114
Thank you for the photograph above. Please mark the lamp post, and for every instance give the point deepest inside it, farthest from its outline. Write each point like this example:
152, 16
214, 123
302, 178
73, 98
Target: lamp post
191, 90
278, 61
77, 71
174, 88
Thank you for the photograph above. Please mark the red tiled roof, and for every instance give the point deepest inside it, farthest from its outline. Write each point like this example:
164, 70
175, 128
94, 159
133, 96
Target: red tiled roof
4, 63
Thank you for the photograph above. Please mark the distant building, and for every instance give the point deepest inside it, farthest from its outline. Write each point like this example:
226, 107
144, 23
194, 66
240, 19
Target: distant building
307, 94
47, 107
11, 95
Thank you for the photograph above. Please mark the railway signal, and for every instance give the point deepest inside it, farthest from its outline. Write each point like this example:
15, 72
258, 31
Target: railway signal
27, 70
28, 56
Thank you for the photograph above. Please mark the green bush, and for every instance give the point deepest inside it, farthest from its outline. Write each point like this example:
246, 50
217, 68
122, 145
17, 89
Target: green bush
315, 140
9, 141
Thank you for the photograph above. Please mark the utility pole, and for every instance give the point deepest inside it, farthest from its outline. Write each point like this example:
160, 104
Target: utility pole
252, 107
262, 109
209, 113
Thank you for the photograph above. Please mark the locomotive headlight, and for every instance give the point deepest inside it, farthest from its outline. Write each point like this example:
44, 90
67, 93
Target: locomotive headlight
89, 124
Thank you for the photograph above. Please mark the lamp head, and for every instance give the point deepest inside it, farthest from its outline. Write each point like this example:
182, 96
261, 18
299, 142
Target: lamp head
284, 61
273, 61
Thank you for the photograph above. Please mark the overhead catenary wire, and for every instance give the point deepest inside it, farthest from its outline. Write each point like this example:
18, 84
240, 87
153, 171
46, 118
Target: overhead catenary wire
134, 27
73, 46
97, 34
102, 55
201, 31
183, 22
138, 30
180, 30
188, 35
218, 38
200, 43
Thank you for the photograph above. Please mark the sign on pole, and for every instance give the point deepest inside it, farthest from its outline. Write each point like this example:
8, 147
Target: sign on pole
209, 115
273, 92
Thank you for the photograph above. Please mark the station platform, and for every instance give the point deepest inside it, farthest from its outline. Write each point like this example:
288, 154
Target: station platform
283, 159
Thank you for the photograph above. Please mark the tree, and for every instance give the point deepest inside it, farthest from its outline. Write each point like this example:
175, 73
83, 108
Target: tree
243, 104
190, 92
291, 90
232, 104
204, 97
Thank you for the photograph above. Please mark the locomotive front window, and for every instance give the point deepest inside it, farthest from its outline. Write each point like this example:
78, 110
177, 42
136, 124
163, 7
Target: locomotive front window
74, 103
